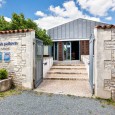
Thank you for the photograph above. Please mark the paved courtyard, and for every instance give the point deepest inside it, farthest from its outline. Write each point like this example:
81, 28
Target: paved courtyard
67, 87
30, 103
66, 77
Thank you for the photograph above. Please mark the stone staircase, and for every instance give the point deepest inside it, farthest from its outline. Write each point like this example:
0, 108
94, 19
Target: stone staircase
67, 72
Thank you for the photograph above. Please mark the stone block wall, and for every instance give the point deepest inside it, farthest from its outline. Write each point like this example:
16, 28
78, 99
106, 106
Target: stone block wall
20, 46
104, 62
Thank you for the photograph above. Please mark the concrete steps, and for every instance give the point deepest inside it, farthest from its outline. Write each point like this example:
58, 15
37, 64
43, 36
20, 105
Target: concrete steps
66, 77
60, 71
69, 67
67, 72
69, 64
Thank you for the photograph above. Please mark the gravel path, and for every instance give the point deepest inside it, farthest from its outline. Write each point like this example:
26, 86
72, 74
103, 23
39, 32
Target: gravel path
29, 103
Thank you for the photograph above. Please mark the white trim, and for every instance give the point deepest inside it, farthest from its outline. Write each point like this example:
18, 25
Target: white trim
69, 40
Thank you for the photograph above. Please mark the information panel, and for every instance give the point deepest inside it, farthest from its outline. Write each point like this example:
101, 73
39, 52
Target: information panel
7, 56
0, 56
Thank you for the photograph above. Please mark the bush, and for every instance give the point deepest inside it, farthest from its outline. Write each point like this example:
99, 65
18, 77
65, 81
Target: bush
3, 74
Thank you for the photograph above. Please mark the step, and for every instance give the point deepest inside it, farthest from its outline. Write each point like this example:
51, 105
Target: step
50, 72
64, 71
66, 77
69, 67
69, 62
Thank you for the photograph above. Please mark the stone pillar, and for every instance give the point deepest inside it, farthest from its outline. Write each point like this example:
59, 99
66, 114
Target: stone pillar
104, 62
60, 52
20, 46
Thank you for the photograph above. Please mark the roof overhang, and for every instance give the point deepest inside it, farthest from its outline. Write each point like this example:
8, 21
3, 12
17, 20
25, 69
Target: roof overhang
56, 40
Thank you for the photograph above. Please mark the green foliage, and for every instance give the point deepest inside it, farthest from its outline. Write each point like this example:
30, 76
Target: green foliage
4, 25
106, 101
10, 93
3, 74
19, 22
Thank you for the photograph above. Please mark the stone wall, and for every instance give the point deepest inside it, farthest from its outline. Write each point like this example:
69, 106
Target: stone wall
85, 60
104, 62
20, 63
47, 64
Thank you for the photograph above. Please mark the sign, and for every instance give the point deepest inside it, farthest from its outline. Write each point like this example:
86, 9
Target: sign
0, 56
8, 43
7, 56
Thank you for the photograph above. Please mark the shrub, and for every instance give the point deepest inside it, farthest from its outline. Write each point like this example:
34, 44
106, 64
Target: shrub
3, 74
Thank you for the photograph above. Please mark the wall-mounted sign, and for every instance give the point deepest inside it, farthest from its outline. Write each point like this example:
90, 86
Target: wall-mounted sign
5, 46
8, 43
7, 56
0, 56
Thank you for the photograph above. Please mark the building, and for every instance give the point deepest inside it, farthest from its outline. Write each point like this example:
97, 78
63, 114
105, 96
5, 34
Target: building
71, 40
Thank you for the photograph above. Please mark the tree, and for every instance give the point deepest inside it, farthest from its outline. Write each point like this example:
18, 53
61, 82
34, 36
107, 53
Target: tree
19, 22
4, 25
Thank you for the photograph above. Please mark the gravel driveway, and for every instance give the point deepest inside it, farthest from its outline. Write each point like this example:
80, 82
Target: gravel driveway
29, 103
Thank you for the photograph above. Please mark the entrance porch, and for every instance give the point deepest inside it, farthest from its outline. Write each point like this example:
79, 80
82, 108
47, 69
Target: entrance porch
66, 77
70, 50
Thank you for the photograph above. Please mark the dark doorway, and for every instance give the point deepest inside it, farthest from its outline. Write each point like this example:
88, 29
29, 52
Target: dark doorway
75, 50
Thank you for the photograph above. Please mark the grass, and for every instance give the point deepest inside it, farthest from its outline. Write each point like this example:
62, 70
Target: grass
10, 93
106, 101
50, 94
39, 93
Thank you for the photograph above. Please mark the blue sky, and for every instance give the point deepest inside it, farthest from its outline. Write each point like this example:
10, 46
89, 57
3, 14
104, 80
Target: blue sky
49, 13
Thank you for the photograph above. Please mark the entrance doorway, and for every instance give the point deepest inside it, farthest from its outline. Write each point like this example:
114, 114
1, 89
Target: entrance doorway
67, 51
75, 50
71, 50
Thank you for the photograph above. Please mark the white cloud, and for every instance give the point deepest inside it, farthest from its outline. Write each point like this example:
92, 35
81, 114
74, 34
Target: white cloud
59, 15
97, 7
40, 13
108, 18
113, 9
50, 21
2, 2
7, 19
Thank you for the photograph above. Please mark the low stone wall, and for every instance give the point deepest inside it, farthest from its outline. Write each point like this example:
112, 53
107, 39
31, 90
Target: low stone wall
5, 84
47, 64
85, 59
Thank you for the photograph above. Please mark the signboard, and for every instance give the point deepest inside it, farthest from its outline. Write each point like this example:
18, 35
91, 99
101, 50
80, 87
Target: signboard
7, 56
0, 56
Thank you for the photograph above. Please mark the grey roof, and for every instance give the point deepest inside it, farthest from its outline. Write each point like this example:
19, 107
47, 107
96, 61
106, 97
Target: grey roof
74, 30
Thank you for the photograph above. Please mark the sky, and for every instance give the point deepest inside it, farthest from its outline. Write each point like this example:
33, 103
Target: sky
51, 13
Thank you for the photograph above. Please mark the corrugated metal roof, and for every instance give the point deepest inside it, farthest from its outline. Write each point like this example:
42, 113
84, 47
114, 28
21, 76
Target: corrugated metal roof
105, 26
16, 31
